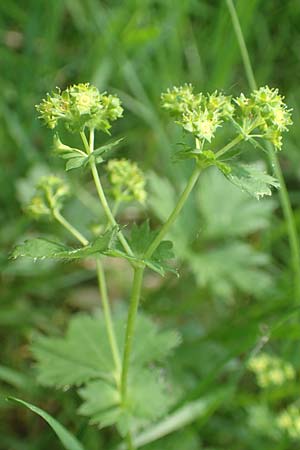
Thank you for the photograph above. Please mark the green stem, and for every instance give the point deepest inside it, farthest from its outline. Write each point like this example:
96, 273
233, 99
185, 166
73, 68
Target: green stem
243, 48
129, 441
174, 214
70, 228
283, 192
231, 144
102, 289
90, 148
137, 286
107, 317
130, 326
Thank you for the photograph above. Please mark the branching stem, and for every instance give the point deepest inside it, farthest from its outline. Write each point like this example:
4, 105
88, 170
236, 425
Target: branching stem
89, 147
103, 292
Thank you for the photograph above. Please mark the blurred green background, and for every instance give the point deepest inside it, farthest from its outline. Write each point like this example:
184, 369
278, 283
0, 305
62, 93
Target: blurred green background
233, 252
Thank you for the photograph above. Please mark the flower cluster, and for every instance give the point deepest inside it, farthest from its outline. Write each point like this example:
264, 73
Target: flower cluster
50, 192
80, 106
128, 181
199, 114
271, 370
266, 112
289, 421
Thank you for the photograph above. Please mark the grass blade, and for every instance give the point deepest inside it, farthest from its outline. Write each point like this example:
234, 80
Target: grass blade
66, 438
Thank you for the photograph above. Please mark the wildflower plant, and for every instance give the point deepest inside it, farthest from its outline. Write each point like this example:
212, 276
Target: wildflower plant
116, 369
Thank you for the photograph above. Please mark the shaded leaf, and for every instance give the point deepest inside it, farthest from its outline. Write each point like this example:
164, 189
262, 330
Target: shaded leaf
234, 265
229, 212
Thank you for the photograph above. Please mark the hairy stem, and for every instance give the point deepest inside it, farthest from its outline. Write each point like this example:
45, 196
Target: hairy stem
102, 289
90, 148
283, 192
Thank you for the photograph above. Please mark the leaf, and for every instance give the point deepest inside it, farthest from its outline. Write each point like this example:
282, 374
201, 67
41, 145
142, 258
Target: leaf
253, 180
76, 162
44, 249
180, 418
140, 239
66, 438
204, 158
234, 265
227, 211
98, 152
77, 158
148, 399
84, 353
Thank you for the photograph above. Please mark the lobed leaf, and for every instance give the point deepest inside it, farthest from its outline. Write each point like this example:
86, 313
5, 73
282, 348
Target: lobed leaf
140, 238
148, 399
253, 180
84, 353
41, 248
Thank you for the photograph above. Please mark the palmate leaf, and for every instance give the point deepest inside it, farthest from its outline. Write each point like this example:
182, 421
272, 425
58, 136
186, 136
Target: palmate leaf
148, 399
252, 179
66, 438
84, 353
229, 212
140, 238
234, 265
41, 248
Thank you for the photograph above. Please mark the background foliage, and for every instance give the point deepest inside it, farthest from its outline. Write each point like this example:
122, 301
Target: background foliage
234, 295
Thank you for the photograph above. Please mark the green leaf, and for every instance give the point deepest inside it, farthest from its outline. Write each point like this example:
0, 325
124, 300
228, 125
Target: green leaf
201, 408
75, 158
98, 152
148, 399
84, 353
140, 238
43, 248
228, 212
204, 158
253, 180
234, 265
76, 162
66, 438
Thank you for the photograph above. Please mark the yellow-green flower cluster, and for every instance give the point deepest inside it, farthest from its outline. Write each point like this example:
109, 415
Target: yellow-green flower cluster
289, 421
271, 370
266, 112
199, 114
263, 112
80, 106
50, 192
127, 180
